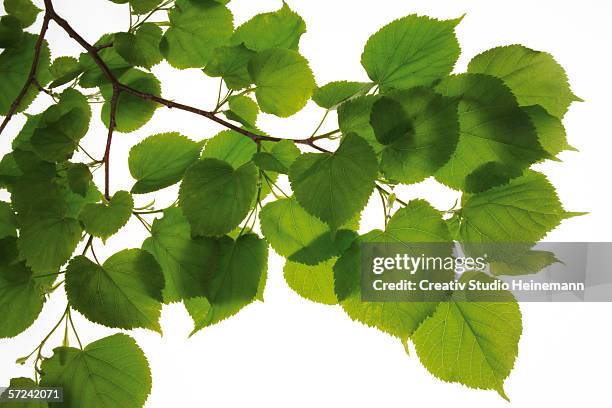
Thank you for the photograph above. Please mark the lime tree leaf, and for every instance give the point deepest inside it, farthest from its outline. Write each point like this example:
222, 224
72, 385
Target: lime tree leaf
8, 225
489, 175
64, 70
197, 27
125, 292
15, 64
144, 6
104, 220
79, 178
215, 197
141, 48
61, 127
297, 235
473, 343
22, 383
24, 10
236, 282
534, 77
283, 79
92, 74
493, 128
231, 64
21, 298
231, 147
390, 121
417, 222
185, 261
411, 51
354, 117
425, 132
112, 371
280, 157
242, 109
11, 32
335, 186
314, 283
334, 93
160, 161
132, 112
279, 29
551, 132
523, 210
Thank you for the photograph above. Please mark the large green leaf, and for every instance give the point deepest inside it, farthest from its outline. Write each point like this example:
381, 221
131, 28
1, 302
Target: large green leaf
125, 292
314, 283
474, 343
411, 51
24, 10
105, 219
15, 64
283, 79
197, 27
142, 47
428, 133
231, 147
231, 63
280, 29
493, 128
334, 93
160, 161
109, 372
215, 197
185, 261
534, 77
335, 186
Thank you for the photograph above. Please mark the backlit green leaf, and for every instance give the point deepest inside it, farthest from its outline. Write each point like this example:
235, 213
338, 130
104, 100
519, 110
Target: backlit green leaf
334, 93
24, 10
231, 147
231, 63
104, 220
141, 48
314, 283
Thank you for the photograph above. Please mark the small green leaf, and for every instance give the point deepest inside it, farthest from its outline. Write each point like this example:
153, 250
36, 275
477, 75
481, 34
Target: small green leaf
197, 27
125, 292
64, 70
215, 197
354, 117
551, 132
314, 283
284, 81
104, 220
132, 112
231, 63
141, 48
279, 29
335, 187
534, 77
231, 147
411, 51
160, 161
92, 74
243, 109
11, 32
112, 371
24, 10
79, 178
279, 159
334, 93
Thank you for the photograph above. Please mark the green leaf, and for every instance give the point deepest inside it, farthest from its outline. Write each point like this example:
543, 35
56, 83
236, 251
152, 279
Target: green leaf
279, 159
354, 117
411, 51
125, 292
141, 48
64, 70
132, 112
335, 187
236, 282
197, 27
523, 210
493, 128
279, 29
185, 261
15, 64
215, 197
473, 343
79, 178
424, 130
534, 77
144, 6
11, 32
104, 220
8, 222
24, 10
230, 147
314, 283
417, 222
161, 160
243, 109
92, 74
231, 63
112, 371
334, 93
22, 383
284, 81
61, 127
551, 132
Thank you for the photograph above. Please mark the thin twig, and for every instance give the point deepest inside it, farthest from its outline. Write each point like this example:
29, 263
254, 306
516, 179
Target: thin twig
112, 124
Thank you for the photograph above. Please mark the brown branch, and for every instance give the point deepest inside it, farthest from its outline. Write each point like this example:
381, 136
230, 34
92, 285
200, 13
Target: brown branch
112, 124
31, 76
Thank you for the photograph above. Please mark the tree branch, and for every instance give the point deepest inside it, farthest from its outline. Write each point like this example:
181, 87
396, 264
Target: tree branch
112, 124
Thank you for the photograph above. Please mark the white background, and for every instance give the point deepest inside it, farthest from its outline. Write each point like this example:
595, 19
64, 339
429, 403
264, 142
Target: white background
294, 352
